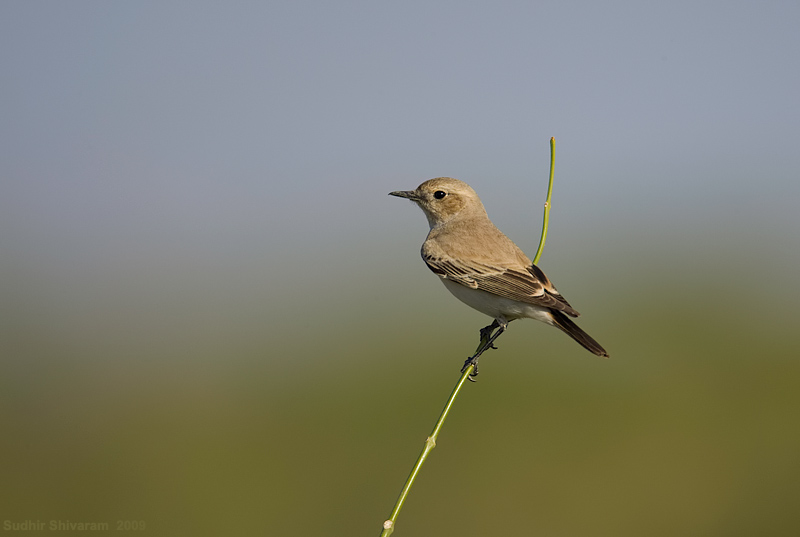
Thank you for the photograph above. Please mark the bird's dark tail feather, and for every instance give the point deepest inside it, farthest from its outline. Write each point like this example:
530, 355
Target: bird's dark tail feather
570, 328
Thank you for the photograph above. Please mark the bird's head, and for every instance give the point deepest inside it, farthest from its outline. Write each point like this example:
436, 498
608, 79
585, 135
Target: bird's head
444, 199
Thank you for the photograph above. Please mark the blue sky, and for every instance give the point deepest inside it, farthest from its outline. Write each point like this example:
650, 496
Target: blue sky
149, 143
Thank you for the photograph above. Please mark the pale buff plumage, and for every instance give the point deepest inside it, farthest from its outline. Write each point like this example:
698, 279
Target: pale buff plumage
481, 266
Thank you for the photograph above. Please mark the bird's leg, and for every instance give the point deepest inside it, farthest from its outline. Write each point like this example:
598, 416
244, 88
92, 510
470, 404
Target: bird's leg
483, 345
487, 342
486, 333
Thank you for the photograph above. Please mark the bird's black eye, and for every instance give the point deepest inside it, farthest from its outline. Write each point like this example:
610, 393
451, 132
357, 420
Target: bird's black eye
439, 194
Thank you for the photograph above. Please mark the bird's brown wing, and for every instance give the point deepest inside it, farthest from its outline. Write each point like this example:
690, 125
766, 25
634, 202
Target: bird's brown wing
529, 285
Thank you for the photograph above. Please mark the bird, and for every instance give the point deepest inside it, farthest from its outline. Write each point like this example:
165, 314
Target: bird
483, 268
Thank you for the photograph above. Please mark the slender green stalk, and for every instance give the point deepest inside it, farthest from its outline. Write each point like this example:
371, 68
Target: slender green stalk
430, 442
547, 203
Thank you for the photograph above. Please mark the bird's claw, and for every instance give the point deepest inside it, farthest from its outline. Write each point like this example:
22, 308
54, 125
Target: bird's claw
472, 361
487, 342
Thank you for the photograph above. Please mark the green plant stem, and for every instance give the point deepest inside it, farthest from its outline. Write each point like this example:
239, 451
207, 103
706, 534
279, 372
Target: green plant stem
547, 203
430, 442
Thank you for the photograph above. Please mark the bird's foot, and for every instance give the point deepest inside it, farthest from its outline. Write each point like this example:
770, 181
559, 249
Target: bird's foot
471, 361
488, 335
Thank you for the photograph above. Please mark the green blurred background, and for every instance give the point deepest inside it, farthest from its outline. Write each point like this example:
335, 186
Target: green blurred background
215, 321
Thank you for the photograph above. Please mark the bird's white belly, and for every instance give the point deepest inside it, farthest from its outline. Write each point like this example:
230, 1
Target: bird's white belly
497, 307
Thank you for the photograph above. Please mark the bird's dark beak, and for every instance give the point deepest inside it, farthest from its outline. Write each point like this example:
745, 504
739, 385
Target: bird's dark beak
408, 194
